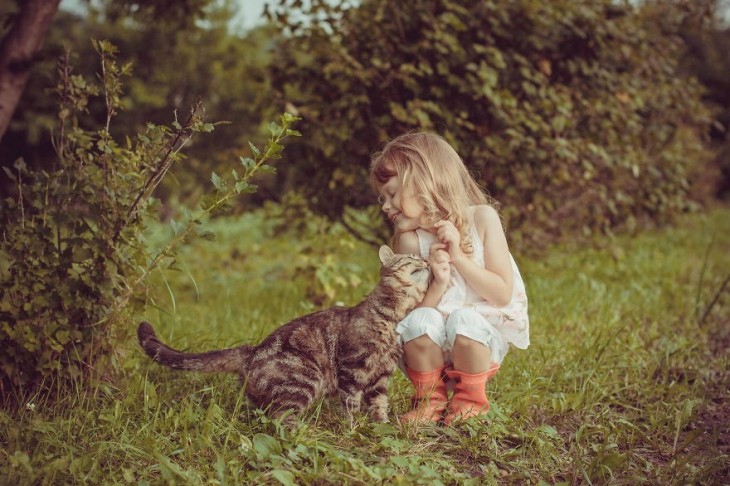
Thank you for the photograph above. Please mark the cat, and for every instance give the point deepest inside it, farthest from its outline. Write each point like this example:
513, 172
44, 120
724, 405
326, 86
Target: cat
345, 351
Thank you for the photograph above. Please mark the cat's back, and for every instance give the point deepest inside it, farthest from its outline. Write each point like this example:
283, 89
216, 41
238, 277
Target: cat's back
309, 334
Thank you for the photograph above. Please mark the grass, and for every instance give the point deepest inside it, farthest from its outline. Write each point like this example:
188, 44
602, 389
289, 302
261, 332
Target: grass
626, 380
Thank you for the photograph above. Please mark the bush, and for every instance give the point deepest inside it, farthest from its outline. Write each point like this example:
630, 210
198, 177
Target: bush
572, 114
73, 259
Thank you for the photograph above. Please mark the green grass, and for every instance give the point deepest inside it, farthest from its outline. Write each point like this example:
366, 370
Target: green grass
626, 380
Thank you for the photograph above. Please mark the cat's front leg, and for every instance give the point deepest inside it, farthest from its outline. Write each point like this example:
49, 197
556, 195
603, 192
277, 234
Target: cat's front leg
351, 401
376, 399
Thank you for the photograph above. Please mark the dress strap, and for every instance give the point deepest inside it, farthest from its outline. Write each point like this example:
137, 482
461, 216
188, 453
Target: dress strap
425, 240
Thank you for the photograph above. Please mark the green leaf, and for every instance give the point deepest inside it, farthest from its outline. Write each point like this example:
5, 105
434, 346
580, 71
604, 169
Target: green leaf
177, 228
244, 187
247, 162
267, 169
274, 128
287, 118
217, 181
266, 445
284, 477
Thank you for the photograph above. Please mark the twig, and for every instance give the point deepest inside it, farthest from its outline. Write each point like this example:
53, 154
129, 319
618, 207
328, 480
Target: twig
714, 300
181, 138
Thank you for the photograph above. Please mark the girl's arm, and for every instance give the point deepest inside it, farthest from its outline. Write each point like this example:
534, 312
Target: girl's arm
438, 260
493, 283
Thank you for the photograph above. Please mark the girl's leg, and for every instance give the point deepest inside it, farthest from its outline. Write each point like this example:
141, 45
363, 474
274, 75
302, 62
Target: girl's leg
474, 343
422, 333
422, 354
470, 356
476, 351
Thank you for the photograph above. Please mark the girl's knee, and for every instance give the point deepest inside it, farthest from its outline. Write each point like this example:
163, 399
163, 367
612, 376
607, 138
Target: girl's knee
424, 321
461, 322
465, 343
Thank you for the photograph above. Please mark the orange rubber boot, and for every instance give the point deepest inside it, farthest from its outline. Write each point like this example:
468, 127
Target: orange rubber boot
429, 401
470, 395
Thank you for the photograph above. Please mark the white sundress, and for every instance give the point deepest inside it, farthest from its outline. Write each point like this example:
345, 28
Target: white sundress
511, 321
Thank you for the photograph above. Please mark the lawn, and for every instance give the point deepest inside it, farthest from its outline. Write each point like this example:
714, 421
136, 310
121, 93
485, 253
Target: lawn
626, 381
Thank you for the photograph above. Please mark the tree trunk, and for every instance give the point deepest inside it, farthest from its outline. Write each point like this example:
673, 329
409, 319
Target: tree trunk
17, 51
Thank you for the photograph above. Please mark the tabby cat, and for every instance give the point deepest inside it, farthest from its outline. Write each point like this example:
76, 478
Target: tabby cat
345, 351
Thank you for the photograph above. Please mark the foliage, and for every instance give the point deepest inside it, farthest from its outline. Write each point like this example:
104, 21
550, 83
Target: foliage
708, 42
74, 259
205, 60
572, 114
624, 383
310, 260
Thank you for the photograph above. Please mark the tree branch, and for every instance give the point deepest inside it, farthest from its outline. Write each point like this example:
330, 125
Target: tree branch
17, 50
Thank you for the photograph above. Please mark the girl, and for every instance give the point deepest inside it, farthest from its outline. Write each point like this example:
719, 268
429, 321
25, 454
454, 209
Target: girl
476, 303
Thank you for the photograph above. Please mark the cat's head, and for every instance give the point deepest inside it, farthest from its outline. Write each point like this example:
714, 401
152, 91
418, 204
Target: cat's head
407, 272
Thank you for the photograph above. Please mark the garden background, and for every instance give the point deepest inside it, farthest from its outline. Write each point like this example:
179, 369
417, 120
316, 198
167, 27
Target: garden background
161, 162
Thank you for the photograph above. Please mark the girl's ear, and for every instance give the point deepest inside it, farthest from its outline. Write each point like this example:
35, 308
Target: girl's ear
385, 254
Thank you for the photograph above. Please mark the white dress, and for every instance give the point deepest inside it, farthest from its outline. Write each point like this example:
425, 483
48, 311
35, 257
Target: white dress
510, 321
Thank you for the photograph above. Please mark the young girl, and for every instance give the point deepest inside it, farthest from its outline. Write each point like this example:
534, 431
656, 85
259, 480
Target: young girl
476, 303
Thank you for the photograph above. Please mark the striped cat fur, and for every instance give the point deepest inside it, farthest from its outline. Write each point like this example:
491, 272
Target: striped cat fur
345, 351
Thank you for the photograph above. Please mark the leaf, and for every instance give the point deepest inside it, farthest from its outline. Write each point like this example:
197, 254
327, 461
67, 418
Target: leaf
274, 128
207, 235
267, 169
247, 162
266, 445
10, 174
63, 337
169, 469
244, 187
284, 477
177, 228
288, 118
217, 181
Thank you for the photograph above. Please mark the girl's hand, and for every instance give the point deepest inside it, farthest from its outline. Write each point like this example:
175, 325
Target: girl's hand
439, 260
447, 234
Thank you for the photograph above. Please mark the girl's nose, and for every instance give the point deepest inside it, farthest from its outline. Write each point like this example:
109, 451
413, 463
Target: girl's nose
384, 203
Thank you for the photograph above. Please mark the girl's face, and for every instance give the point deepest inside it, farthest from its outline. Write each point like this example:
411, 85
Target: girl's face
403, 209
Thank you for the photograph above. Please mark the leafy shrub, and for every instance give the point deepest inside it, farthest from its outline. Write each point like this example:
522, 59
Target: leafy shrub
572, 114
73, 257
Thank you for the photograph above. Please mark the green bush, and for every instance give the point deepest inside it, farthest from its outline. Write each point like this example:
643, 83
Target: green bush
572, 114
73, 258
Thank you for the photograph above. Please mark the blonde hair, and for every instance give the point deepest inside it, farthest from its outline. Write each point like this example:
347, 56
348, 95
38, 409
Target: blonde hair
429, 168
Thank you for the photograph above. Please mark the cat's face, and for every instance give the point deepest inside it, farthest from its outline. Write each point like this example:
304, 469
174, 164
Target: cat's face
409, 271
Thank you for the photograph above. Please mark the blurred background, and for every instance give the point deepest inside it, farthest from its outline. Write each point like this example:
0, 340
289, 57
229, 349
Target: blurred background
580, 117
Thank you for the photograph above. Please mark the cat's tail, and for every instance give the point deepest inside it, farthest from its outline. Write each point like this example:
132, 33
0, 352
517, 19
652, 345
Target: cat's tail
225, 360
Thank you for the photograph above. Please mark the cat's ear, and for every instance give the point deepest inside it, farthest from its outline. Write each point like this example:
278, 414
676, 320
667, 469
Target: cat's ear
385, 254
